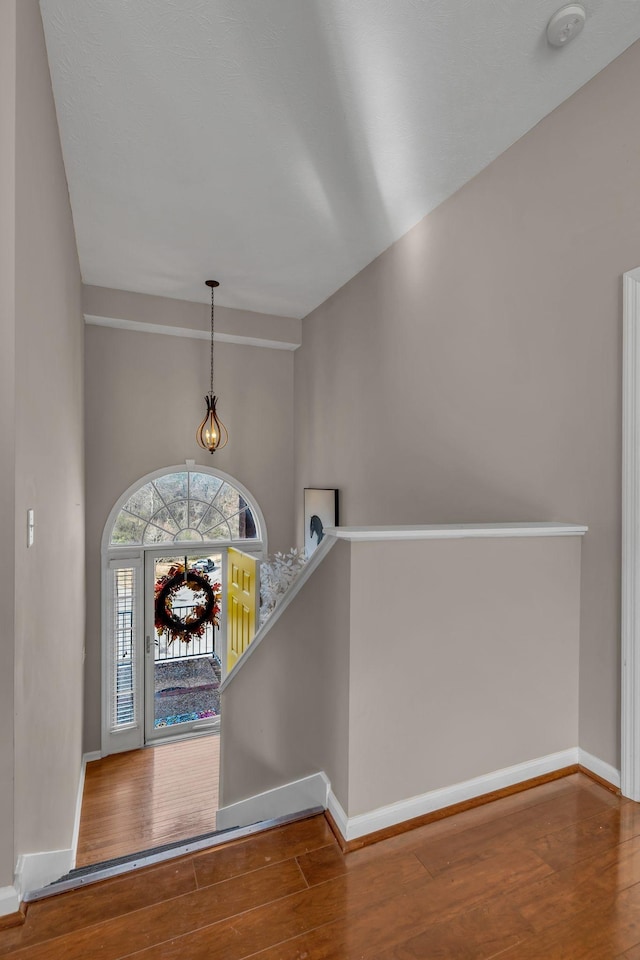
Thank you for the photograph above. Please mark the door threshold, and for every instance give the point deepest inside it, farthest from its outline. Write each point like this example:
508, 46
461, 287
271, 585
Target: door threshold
211, 730
84, 876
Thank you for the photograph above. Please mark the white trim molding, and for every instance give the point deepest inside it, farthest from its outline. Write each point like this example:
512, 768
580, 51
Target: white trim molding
78, 812
9, 901
352, 828
290, 798
601, 769
459, 531
86, 758
315, 790
630, 639
190, 333
36, 870
363, 824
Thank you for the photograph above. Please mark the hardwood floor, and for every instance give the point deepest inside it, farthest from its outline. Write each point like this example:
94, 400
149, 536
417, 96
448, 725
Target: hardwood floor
133, 801
552, 874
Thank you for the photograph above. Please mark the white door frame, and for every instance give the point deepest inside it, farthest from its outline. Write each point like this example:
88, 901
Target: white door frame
630, 639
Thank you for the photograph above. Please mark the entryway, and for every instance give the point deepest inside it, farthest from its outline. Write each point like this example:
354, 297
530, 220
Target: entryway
164, 653
164, 600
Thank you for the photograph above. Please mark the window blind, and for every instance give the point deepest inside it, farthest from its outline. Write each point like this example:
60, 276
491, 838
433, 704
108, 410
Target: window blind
124, 660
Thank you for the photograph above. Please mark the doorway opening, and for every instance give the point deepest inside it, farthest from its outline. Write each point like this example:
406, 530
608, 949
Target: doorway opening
167, 539
184, 645
164, 631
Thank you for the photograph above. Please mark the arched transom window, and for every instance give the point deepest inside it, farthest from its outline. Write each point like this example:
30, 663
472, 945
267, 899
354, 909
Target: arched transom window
185, 507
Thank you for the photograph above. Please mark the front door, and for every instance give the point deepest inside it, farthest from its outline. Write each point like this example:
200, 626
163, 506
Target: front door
242, 595
184, 642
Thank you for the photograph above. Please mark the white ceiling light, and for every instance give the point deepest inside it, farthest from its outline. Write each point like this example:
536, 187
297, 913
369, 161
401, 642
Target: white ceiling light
565, 25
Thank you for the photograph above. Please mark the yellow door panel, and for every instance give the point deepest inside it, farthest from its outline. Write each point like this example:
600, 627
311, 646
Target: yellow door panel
242, 606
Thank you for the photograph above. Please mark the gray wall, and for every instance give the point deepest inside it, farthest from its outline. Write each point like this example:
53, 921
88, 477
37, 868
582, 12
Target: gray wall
473, 371
144, 402
274, 730
7, 426
469, 665
48, 603
417, 665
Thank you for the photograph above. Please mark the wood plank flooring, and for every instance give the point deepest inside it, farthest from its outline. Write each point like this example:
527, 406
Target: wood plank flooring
133, 801
551, 873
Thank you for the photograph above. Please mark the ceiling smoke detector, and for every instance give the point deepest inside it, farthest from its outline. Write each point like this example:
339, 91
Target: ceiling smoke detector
565, 25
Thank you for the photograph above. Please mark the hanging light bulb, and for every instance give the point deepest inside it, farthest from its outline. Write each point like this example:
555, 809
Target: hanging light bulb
212, 433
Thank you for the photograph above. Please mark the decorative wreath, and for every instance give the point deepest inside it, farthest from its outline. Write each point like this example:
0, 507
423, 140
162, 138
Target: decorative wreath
202, 614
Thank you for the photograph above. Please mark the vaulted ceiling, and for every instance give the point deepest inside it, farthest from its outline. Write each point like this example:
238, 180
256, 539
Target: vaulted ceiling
280, 145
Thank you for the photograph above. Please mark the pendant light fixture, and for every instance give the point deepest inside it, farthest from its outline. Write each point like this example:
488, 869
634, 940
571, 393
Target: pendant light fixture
212, 434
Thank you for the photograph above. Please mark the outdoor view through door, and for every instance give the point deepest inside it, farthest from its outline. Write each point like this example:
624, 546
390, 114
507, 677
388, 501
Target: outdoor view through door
184, 661
164, 588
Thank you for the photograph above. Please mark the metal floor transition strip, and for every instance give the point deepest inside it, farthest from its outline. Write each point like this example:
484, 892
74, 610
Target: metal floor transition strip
113, 868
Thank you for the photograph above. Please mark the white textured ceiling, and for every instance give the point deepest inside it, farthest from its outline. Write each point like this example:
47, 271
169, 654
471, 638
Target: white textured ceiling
280, 145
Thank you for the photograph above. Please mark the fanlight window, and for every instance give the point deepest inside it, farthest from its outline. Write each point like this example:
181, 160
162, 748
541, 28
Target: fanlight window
184, 507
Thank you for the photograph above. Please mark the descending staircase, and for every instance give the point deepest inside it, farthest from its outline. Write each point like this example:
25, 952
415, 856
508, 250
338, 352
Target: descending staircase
97, 872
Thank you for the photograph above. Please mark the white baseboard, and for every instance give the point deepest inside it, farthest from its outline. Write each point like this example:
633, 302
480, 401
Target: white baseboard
316, 791
599, 767
9, 901
388, 816
86, 757
36, 870
337, 812
290, 798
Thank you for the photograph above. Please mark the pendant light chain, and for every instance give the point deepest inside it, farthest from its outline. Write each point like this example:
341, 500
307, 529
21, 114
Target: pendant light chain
212, 312
212, 433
